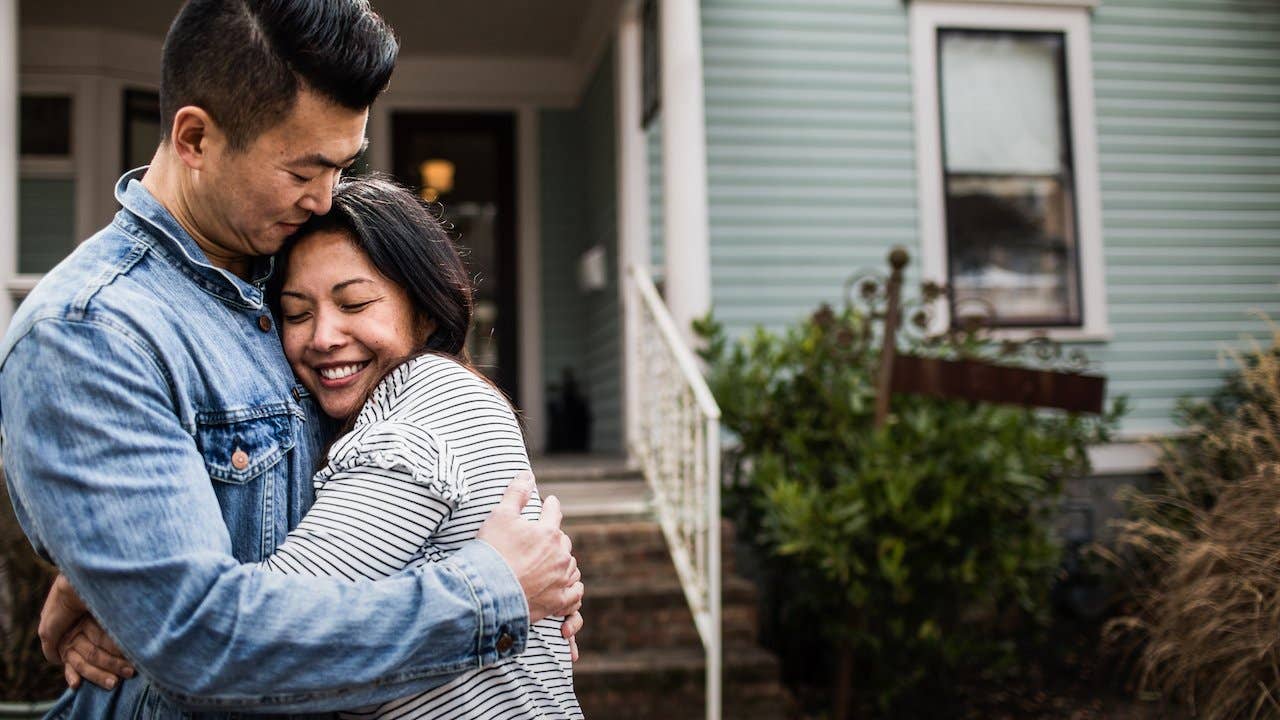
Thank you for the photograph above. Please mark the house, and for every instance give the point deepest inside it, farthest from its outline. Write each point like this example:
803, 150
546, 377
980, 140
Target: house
1104, 171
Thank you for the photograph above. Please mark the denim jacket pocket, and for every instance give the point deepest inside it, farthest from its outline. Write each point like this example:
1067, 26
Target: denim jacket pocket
240, 445
246, 453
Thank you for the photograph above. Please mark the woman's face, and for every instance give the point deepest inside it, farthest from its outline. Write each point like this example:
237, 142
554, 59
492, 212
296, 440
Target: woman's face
344, 323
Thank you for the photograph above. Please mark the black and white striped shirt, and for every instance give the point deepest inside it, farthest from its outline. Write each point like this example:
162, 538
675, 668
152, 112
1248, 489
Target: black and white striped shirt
431, 453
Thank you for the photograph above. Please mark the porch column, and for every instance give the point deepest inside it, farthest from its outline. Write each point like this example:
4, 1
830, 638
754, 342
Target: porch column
686, 235
8, 154
633, 201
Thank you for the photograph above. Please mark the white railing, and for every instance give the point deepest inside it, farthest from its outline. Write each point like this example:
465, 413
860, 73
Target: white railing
677, 443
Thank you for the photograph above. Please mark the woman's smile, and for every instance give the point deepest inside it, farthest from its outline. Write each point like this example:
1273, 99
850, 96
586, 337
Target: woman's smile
336, 375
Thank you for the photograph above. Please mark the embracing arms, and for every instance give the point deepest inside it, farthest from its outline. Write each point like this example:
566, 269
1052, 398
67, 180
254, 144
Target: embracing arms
110, 485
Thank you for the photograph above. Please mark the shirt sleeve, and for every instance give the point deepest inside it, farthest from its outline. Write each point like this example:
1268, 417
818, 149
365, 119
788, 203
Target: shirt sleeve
386, 489
108, 482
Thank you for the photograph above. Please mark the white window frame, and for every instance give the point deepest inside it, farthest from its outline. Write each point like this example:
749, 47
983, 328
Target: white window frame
78, 166
1071, 18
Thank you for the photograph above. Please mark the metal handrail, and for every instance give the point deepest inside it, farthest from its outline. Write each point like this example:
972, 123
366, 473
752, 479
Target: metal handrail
677, 443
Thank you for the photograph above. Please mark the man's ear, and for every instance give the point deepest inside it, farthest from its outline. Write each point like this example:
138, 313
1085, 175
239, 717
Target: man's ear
193, 135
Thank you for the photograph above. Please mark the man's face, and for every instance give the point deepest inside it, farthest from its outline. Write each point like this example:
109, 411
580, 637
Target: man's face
247, 201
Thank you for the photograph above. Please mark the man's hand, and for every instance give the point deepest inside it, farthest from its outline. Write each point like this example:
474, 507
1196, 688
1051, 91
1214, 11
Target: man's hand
62, 609
89, 653
539, 553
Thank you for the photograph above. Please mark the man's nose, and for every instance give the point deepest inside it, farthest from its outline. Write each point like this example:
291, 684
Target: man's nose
319, 196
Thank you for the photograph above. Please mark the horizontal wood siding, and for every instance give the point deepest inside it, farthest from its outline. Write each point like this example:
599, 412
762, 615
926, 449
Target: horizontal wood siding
1188, 96
811, 171
582, 330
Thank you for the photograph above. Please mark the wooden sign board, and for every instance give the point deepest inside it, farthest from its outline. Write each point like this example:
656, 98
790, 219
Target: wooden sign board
986, 382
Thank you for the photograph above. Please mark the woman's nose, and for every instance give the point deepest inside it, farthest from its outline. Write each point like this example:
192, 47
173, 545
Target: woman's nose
329, 334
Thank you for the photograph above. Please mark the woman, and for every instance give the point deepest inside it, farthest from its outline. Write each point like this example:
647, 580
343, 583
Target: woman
375, 305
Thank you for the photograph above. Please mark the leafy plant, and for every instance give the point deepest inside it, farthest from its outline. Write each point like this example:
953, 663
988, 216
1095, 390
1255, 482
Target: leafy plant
929, 537
24, 581
1202, 549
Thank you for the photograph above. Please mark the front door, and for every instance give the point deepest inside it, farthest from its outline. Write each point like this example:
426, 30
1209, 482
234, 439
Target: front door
466, 162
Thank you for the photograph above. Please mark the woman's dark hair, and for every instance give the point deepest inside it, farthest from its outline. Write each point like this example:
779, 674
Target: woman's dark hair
244, 61
407, 243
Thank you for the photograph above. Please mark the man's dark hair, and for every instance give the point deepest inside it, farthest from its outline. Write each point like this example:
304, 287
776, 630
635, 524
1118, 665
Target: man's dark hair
244, 61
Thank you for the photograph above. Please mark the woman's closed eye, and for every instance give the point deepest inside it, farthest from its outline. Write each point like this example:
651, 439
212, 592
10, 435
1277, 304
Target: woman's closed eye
294, 318
354, 307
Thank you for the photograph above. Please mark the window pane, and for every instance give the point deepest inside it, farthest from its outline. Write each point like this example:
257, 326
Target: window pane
141, 127
1012, 246
44, 125
46, 223
1001, 105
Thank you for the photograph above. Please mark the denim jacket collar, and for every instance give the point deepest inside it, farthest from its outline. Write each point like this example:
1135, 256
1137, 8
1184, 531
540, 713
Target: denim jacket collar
217, 281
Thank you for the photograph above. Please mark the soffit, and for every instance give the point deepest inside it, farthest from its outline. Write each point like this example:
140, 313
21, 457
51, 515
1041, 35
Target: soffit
477, 28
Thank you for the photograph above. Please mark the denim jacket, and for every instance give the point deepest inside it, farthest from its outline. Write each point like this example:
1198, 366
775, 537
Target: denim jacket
155, 441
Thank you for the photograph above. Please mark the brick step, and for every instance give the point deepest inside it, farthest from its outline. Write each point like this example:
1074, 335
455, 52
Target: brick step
642, 615
630, 549
669, 685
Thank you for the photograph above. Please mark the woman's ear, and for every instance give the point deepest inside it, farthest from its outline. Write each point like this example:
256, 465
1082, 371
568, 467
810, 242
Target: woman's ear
426, 328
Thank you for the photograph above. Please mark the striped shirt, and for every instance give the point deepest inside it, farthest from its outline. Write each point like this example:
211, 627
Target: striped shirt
430, 454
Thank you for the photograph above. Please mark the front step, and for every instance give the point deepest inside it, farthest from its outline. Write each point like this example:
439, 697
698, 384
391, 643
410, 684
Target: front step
646, 615
669, 685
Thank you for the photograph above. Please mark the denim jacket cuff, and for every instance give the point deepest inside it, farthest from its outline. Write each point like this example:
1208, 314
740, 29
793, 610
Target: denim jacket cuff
504, 612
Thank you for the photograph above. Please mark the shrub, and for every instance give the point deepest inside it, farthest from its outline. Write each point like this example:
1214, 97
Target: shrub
921, 545
1205, 553
24, 673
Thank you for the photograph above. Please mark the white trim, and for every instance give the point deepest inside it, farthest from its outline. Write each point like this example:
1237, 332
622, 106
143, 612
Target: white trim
686, 227
1035, 3
9, 85
529, 271
1124, 458
1072, 19
633, 205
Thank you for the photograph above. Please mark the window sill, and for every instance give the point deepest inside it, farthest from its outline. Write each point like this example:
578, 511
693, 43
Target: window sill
1089, 4
1063, 335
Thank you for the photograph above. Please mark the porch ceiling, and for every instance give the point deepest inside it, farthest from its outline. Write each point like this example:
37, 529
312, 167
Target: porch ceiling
476, 28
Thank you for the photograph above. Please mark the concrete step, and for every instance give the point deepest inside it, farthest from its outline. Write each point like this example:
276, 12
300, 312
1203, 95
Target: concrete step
629, 549
600, 500
649, 615
669, 684
582, 468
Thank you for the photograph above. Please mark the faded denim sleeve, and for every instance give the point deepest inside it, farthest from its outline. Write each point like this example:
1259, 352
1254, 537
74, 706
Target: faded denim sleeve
109, 483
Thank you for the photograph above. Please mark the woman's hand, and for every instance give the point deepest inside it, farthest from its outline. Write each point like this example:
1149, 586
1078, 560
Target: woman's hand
569, 629
88, 652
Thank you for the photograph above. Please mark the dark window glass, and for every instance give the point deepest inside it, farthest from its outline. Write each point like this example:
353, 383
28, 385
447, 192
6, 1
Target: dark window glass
141, 128
44, 126
1011, 219
651, 72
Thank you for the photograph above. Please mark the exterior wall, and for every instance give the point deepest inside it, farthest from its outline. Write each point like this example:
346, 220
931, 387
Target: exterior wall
811, 171
582, 329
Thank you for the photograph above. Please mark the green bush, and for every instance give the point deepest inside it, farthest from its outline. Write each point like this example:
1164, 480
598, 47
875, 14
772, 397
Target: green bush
924, 544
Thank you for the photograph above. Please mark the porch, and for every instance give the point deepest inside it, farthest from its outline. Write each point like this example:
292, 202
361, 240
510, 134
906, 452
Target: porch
524, 121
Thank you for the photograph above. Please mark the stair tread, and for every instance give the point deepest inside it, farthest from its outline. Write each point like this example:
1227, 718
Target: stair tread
613, 587
649, 659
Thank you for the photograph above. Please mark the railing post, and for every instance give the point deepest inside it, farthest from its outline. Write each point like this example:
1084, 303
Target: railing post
715, 673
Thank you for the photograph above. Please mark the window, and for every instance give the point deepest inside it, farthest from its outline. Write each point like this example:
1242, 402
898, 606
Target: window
141, 128
46, 182
1006, 162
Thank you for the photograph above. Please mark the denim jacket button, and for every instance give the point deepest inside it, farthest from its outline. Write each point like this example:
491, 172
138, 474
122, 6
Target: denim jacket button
264, 323
505, 642
239, 459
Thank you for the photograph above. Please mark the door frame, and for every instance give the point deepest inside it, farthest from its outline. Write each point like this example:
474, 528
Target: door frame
503, 126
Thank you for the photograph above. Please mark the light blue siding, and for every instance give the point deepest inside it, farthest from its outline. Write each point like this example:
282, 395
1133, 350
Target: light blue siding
582, 330
812, 175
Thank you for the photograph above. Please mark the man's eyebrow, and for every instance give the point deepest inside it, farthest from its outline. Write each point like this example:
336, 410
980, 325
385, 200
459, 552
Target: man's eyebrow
322, 161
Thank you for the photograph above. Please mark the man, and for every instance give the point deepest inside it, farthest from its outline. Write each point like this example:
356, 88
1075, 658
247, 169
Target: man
155, 439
